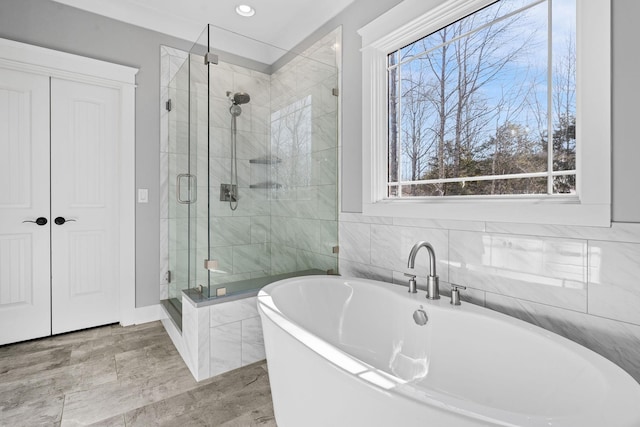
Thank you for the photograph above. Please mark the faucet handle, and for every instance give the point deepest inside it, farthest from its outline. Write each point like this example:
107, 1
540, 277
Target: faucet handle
413, 287
455, 294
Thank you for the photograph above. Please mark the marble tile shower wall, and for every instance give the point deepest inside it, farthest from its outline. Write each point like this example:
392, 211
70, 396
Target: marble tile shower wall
304, 139
579, 282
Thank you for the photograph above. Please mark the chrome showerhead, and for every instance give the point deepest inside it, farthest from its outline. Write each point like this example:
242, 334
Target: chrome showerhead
240, 98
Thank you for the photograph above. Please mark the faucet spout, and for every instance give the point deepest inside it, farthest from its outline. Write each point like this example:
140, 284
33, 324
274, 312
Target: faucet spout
433, 288
432, 256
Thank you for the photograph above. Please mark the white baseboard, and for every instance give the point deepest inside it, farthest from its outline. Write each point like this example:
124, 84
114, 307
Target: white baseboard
139, 315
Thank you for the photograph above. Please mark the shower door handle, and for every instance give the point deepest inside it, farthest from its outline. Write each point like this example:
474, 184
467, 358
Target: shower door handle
192, 182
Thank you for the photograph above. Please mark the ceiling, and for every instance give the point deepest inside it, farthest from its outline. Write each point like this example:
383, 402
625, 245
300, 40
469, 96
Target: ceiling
281, 23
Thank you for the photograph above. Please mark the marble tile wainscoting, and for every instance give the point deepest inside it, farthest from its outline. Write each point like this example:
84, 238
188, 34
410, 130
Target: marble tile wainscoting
218, 338
579, 282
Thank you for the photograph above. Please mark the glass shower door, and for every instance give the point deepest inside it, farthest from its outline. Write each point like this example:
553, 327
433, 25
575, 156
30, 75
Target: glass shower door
198, 165
179, 245
187, 190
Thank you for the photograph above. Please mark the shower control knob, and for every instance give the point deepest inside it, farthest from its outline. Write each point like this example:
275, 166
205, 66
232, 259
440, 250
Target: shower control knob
61, 220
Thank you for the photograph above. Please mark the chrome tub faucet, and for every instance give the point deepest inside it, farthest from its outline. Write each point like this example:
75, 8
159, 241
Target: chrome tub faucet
433, 285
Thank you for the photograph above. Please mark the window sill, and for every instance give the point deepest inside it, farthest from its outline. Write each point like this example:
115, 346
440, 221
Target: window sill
551, 210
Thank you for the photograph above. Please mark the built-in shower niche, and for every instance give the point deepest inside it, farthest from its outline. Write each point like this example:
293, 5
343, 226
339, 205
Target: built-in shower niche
264, 122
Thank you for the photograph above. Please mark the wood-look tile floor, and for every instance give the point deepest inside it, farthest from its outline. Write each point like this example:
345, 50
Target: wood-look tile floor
115, 376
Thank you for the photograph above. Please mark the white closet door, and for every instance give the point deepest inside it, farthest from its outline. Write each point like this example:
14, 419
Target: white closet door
25, 310
85, 127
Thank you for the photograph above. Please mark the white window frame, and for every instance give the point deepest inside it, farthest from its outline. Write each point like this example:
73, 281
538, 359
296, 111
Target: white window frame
414, 19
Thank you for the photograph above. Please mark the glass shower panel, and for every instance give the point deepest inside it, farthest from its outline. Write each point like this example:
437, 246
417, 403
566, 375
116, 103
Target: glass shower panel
239, 197
178, 152
253, 164
198, 163
304, 137
273, 132
187, 167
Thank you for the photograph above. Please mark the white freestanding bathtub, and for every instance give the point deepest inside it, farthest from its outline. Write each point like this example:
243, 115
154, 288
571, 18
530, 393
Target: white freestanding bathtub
347, 352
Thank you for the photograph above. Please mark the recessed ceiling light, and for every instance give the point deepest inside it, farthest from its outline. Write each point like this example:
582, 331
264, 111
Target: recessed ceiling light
245, 10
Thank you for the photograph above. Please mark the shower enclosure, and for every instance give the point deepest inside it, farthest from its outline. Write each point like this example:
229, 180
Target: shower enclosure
252, 165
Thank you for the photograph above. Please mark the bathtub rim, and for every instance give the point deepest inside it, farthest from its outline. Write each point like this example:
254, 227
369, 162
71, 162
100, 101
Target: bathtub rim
460, 406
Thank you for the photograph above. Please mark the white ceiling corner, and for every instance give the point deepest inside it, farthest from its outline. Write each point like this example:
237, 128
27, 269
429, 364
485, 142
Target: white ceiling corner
281, 23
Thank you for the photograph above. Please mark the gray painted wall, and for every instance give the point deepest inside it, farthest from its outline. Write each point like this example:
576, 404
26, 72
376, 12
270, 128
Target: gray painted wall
52, 25
358, 14
626, 92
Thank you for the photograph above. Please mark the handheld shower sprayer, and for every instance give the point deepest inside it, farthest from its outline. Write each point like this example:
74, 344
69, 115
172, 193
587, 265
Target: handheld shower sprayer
236, 99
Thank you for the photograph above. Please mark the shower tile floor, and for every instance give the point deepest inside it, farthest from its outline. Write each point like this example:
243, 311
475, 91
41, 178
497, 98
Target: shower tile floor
115, 376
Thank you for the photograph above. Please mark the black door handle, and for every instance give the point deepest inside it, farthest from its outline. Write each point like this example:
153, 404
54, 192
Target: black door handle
61, 220
40, 221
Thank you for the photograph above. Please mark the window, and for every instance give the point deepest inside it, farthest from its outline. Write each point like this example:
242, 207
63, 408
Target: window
469, 105
291, 141
477, 110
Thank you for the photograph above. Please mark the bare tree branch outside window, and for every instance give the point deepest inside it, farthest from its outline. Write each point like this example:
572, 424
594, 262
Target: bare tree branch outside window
472, 106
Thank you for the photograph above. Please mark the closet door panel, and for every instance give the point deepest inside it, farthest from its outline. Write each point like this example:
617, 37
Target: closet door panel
24, 207
84, 204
